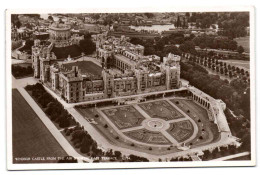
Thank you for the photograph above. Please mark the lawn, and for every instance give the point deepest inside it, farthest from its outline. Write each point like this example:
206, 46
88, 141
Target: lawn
86, 67
207, 130
64, 52
22, 70
244, 42
161, 109
124, 117
30, 137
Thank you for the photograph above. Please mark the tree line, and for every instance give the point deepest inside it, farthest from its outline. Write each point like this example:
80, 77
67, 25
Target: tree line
51, 106
163, 46
236, 97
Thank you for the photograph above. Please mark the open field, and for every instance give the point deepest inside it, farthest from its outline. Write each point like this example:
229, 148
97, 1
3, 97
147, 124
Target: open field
124, 117
24, 65
239, 63
86, 67
208, 131
160, 109
30, 137
244, 42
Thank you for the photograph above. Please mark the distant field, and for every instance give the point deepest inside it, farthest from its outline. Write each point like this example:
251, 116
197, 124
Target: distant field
30, 137
87, 67
239, 63
244, 42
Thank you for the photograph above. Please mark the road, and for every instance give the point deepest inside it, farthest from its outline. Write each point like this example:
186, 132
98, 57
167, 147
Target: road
231, 156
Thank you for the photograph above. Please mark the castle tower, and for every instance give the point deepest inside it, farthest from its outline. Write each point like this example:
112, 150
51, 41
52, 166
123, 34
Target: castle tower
171, 64
108, 83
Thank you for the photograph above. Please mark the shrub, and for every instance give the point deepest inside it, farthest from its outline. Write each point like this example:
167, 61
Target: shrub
150, 148
105, 126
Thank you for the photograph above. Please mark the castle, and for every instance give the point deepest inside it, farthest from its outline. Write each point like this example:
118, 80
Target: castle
124, 68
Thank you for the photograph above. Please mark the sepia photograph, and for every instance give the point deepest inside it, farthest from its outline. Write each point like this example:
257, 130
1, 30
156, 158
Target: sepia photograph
122, 89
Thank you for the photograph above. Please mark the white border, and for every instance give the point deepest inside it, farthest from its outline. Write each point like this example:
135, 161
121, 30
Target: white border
12, 166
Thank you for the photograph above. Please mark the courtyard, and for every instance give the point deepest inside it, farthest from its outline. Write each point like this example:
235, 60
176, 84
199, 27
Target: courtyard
86, 67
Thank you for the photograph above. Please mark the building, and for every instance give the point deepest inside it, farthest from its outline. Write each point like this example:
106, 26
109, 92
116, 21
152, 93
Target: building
119, 69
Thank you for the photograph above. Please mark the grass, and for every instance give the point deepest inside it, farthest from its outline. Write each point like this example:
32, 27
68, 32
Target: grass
211, 133
124, 117
160, 109
64, 52
86, 67
23, 65
239, 63
30, 137
244, 42
22, 70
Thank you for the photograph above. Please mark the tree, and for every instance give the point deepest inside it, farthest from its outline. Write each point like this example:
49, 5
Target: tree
87, 46
78, 134
64, 122
188, 47
50, 18
85, 147
202, 45
60, 21
178, 22
240, 49
50, 108
149, 15
118, 154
